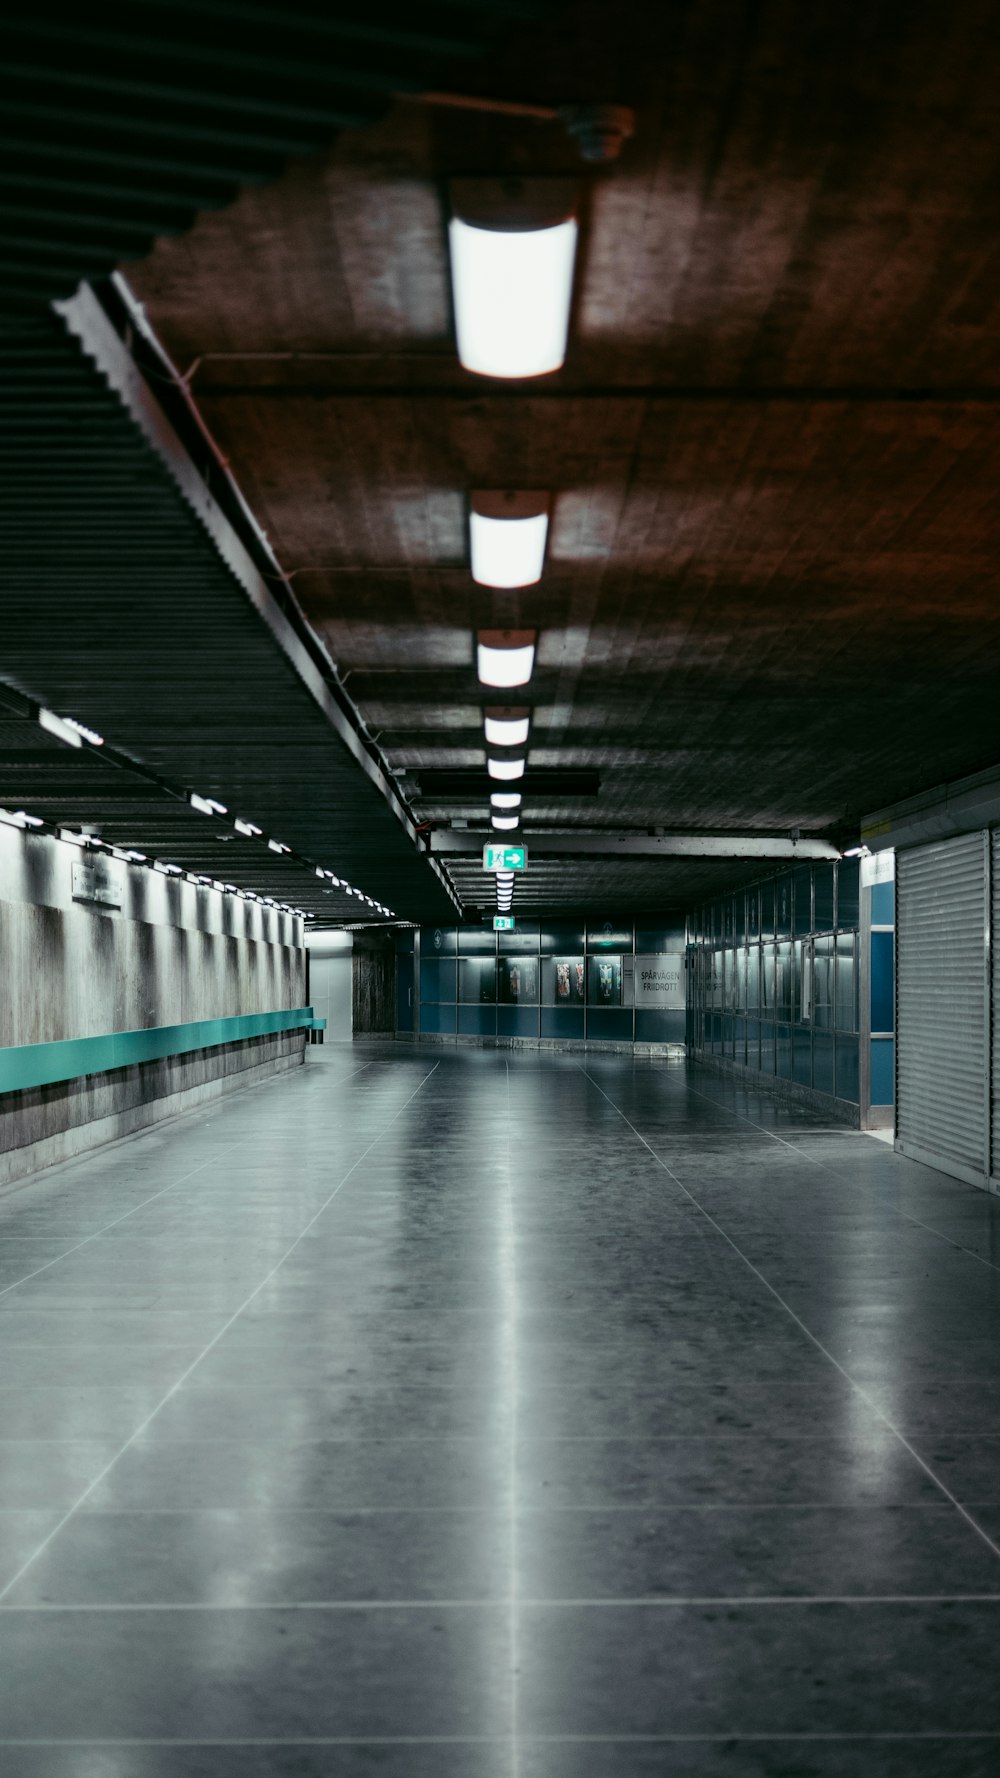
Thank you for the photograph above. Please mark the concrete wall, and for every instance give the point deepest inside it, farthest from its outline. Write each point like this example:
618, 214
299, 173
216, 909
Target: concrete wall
172, 953
374, 985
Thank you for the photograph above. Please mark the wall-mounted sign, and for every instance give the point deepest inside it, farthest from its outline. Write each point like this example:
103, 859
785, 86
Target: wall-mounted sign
505, 858
98, 879
614, 936
659, 981
503, 922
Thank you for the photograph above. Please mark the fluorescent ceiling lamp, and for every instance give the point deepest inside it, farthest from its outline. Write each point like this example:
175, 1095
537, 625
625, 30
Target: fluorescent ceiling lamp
507, 533
512, 288
505, 879
505, 822
506, 799
63, 731
506, 731
246, 827
505, 768
88, 734
276, 846
206, 805
505, 657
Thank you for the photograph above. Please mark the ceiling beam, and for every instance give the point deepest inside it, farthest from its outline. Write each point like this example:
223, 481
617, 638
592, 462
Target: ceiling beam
665, 845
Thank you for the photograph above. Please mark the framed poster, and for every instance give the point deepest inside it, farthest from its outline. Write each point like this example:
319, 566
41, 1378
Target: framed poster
563, 981
604, 983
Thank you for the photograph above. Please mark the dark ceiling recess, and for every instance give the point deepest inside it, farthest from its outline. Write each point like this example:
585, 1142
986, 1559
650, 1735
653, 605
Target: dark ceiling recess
122, 121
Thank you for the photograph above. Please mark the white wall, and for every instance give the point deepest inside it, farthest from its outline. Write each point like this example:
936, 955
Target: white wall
173, 953
330, 982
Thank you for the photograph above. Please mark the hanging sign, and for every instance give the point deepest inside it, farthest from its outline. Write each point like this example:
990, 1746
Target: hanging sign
505, 858
503, 922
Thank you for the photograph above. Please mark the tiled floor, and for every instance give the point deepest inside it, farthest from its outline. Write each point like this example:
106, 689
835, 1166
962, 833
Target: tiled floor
445, 1414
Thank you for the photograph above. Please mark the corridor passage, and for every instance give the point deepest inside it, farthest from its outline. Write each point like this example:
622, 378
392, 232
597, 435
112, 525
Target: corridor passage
444, 1414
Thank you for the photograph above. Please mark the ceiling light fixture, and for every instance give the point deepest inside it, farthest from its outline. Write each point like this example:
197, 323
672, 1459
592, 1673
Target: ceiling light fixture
206, 805
247, 827
88, 734
505, 823
505, 768
513, 250
63, 731
277, 846
506, 799
506, 731
505, 657
507, 533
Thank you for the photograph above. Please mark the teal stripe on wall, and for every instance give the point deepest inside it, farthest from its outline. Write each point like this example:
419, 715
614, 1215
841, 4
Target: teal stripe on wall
42, 1064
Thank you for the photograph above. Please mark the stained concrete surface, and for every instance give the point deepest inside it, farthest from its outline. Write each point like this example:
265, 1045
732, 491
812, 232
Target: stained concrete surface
498, 1415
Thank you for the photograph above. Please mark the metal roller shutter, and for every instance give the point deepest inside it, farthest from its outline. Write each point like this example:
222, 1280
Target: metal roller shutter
942, 1049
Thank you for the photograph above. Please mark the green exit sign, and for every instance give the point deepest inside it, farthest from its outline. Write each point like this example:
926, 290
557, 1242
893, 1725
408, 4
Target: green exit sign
505, 858
503, 922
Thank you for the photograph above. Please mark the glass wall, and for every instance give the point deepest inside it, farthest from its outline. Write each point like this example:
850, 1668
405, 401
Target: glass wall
569, 980
773, 974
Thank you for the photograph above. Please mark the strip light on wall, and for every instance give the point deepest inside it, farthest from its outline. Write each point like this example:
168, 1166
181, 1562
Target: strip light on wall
513, 253
507, 533
63, 731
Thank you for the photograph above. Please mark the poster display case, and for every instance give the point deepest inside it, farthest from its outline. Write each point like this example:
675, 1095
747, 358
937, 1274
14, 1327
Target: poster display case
604, 981
563, 981
477, 981
518, 981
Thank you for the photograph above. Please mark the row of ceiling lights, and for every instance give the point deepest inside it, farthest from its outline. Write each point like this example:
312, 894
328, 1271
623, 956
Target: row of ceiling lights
513, 254
75, 734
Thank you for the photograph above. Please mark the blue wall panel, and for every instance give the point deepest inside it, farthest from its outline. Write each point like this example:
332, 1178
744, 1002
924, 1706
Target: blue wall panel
438, 980
883, 990
438, 1021
477, 1021
883, 904
517, 1021
607, 1025
659, 1027
562, 1021
883, 1081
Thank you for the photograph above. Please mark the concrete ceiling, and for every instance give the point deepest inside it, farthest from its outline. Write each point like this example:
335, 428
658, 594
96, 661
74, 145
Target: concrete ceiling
769, 602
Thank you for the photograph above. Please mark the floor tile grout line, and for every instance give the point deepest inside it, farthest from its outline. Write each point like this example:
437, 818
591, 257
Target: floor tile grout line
825, 1166
635, 1438
861, 1391
213, 1342
496, 1603
594, 1509
500, 1741
228, 1149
